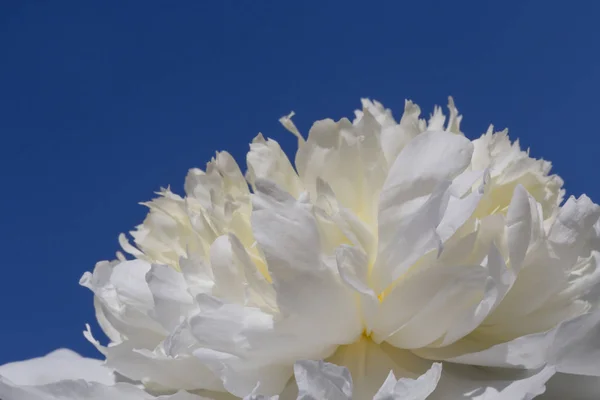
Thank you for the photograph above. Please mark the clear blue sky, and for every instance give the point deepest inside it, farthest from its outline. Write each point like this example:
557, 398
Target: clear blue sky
101, 103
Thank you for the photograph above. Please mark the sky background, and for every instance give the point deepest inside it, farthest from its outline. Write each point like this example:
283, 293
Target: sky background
102, 103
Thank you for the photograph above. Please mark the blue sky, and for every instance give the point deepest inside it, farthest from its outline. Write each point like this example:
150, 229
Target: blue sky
102, 103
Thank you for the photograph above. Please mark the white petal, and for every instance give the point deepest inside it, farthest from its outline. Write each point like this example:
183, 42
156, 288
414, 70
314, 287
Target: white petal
424, 305
229, 279
423, 165
573, 226
233, 179
64, 375
439, 304
382, 115
307, 288
56, 366
414, 236
124, 300
197, 274
164, 234
199, 184
395, 137
518, 223
319, 380
525, 389
577, 346
527, 351
237, 278
157, 368
239, 344
454, 118
285, 230
541, 275
353, 268
129, 281
241, 378
541, 278
266, 160
428, 160
172, 302
286, 121
410, 389
255, 396
230, 328
82, 390
458, 211
496, 287
463, 382
349, 158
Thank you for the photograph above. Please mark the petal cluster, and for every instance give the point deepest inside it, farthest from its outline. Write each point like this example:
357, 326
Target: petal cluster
389, 260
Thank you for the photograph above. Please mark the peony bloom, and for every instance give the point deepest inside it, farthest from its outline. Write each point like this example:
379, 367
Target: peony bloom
393, 260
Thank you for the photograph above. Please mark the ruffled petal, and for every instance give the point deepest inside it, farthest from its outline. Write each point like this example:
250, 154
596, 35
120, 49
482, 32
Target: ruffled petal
318, 380
410, 389
308, 288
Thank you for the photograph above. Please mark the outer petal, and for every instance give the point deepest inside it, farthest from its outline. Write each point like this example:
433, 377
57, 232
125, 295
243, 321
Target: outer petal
147, 352
577, 348
242, 348
82, 390
55, 366
528, 351
320, 380
464, 382
125, 300
64, 375
161, 368
239, 376
410, 389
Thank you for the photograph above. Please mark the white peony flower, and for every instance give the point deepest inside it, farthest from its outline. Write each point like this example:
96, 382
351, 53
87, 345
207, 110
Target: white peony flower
397, 260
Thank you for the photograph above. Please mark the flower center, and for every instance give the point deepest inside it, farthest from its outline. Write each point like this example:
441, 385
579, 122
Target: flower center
370, 363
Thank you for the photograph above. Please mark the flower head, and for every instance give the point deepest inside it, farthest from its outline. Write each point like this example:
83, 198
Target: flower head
385, 256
